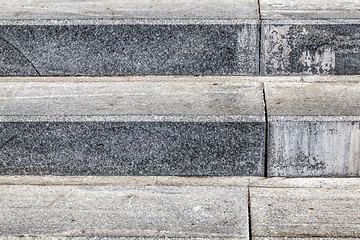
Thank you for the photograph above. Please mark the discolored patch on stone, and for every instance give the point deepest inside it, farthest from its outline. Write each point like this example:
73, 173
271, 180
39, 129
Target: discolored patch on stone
310, 47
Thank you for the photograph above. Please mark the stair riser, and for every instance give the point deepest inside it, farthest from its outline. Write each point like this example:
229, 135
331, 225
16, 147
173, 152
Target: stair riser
310, 48
117, 48
142, 148
314, 149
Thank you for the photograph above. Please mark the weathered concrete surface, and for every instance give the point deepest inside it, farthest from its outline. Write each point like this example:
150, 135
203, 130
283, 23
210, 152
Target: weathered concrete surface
305, 213
77, 211
126, 37
309, 9
314, 129
310, 37
132, 128
310, 47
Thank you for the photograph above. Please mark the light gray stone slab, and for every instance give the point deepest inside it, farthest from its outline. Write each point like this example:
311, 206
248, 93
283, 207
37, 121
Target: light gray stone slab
313, 129
305, 213
302, 238
76, 211
128, 9
313, 182
102, 238
151, 128
120, 97
112, 38
310, 9
274, 182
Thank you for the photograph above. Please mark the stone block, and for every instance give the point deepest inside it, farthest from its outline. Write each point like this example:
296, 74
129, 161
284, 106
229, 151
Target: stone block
310, 37
114, 212
107, 38
123, 127
314, 129
312, 213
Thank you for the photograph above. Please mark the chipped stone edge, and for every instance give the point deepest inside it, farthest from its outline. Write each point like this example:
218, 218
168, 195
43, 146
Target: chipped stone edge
262, 182
132, 118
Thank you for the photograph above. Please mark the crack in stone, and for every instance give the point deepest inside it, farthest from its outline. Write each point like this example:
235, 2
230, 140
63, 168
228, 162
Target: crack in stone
21, 53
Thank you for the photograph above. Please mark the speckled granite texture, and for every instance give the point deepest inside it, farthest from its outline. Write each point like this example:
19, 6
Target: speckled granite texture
118, 38
127, 37
148, 148
129, 48
131, 127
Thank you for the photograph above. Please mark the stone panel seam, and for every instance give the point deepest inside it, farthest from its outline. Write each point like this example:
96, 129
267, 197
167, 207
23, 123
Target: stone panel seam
260, 36
266, 135
249, 212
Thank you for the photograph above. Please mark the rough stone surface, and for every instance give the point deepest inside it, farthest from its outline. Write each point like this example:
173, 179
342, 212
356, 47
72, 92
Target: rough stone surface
132, 128
305, 213
310, 37
310, 9
129, 38
314, 129
139, 212
310, 47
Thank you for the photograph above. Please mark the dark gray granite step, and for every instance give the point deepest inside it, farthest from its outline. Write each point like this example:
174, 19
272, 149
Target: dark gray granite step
130, 126
310, 37
314, 129
129, 37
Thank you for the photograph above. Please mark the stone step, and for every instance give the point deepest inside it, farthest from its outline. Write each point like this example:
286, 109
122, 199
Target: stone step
119, 126
313, 129
209, 37
184, 126
146, 37
310, 37
179, 208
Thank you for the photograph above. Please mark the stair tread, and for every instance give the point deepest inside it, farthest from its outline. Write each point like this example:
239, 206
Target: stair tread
309, 9
137, 211
128, 9
214, 100
260, 208
313, 99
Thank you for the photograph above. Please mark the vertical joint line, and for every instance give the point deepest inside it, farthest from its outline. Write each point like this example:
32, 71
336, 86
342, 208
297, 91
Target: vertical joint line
260, 35
249, 212
266, 133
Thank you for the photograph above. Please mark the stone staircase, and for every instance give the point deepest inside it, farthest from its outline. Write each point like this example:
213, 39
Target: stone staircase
177, 119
